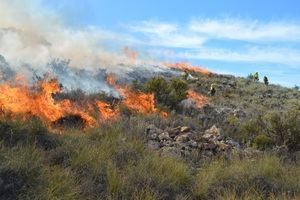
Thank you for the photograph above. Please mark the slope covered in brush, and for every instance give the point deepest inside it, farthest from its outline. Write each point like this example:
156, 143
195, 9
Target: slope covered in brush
240, 143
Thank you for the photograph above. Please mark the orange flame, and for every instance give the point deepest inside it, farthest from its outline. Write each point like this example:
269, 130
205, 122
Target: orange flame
107, 111
199, 99
188, 67
138, 101
38, 102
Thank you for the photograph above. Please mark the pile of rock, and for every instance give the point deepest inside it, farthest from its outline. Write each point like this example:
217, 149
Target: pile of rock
181, 141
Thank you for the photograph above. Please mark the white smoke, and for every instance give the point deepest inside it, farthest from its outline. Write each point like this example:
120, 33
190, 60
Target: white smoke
31, 37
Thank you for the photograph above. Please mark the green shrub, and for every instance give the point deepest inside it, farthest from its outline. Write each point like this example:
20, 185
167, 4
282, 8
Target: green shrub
262, 141
167, 93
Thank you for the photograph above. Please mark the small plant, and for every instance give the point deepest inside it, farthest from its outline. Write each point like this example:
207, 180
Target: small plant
262, 141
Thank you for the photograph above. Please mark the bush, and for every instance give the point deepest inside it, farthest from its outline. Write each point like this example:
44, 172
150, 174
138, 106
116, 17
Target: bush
167, 93
262, 141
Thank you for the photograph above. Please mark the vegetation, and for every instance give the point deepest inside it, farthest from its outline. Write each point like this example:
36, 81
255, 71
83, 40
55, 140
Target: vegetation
112, 161
168, 93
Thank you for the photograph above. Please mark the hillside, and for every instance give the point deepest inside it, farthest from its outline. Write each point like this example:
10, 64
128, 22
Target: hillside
161, 136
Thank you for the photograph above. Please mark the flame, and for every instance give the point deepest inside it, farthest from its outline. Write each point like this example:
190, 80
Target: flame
107, 111
38, 101
164, 114
137, 101
199, 99
188, 67
21, 100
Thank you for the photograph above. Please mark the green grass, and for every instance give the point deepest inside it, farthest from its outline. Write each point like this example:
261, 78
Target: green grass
110, 163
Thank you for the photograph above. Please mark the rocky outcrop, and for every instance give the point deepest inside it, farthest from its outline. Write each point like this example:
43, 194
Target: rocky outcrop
182, 141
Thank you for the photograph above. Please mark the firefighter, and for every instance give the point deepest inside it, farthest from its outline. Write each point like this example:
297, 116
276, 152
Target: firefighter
256, 77
212, 90
266, 80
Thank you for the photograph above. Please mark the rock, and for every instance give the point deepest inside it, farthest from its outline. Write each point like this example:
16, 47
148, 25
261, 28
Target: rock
223, 147
154, 145
209, 146
192, 144
213, 131
233, 143
207, 136
174, 131
184, 129
153, 136
188, 105
183, 138
164, 136
167, 143
185, 153
152, 129
220, 138
170, 151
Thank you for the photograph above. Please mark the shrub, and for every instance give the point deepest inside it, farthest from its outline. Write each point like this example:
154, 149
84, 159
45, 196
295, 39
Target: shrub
167, 93
262, 141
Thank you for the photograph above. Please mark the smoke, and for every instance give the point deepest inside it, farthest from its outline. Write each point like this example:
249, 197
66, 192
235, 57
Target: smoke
35, 41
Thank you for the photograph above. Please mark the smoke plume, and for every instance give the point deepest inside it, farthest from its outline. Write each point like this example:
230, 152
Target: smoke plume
35, 41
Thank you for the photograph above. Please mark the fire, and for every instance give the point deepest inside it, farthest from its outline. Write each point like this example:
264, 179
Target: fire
188, 67
22, 100
38, 101
107, 111
199, 99
137, 101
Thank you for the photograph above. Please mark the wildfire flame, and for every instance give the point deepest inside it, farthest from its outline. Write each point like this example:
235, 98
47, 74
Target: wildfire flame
38, 102
21, 100
138, 101
188, 67
107, 111
199, 99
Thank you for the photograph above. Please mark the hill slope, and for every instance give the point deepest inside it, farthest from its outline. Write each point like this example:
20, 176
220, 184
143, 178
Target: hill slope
241, 143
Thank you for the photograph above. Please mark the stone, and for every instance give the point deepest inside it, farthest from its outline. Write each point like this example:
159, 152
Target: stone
233, 143
222, 146
213, 131
164, 136
209, 146
184, 129
174, 131
192, 144
152, 129
154, 145
182, 138
166, 143
153, 136
170, 151
207, 136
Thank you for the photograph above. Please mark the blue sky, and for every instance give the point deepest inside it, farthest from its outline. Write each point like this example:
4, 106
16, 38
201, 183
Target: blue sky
226, 36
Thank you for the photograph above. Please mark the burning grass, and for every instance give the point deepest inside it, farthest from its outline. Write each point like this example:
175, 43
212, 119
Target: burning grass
200, 100
39, 100
183, 66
